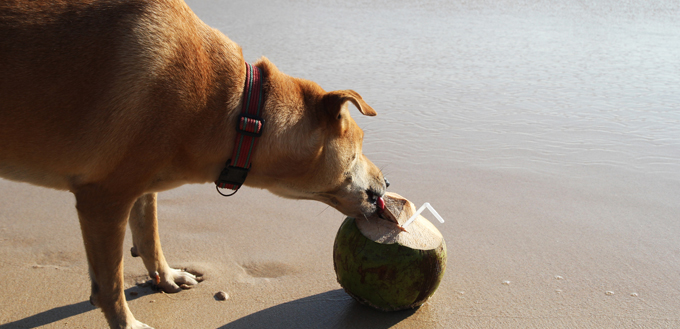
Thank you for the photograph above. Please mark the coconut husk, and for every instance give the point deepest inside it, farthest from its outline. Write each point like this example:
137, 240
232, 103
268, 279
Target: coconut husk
420, 234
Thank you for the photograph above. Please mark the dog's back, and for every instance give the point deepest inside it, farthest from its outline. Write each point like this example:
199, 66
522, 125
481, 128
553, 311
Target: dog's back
56, 61
81, 79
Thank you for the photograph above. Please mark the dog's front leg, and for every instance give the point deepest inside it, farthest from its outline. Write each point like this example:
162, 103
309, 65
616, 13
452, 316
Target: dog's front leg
147, 244
103, 217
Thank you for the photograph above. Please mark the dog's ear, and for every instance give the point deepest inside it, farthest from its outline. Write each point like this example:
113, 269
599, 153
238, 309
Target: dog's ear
335, 100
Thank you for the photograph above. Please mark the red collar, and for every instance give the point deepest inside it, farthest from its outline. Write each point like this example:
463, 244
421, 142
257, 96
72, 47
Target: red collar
248, 127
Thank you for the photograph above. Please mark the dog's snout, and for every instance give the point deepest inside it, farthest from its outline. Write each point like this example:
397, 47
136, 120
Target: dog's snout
373, 195
375, 192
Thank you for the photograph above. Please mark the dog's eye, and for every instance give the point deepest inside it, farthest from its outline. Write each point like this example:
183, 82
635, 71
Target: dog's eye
339, 116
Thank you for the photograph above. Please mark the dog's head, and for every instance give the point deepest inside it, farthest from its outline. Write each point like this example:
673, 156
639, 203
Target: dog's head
312, 148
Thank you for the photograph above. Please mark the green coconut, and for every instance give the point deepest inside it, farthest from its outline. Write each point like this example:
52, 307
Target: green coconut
387, 267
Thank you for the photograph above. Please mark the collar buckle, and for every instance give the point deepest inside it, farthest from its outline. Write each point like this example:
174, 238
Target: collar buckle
249, 125
232, 176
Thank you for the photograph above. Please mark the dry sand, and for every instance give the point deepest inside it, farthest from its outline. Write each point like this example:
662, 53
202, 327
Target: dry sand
566, 218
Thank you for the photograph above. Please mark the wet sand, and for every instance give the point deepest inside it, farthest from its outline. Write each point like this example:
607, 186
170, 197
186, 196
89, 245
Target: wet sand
547, 136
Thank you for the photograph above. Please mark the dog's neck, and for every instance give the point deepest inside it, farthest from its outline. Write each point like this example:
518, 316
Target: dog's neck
249, 128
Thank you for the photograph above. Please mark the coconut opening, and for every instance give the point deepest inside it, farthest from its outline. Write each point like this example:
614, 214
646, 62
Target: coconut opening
420, 234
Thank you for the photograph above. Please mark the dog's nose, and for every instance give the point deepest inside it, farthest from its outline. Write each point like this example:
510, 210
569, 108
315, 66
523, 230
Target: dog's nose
387, 183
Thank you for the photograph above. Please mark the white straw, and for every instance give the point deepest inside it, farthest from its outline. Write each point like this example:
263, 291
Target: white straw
425, 205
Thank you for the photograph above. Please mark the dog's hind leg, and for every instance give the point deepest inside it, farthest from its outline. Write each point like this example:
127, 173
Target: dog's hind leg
103, 217
147, 244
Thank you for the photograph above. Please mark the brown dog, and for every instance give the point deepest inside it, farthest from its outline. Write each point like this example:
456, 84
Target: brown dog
117, 100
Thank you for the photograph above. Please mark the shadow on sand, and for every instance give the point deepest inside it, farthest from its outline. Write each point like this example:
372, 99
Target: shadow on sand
63, 312
49, 316
332, 309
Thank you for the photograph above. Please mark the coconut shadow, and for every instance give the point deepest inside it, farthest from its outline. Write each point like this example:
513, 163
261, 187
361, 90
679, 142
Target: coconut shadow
331, 309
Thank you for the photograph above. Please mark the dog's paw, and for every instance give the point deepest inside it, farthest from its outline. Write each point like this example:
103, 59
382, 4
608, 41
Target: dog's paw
175, 280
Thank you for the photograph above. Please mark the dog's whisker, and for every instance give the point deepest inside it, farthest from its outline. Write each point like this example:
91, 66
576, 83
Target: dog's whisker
362, 214
322, 211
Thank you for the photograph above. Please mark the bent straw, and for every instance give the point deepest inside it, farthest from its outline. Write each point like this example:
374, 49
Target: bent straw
425, 205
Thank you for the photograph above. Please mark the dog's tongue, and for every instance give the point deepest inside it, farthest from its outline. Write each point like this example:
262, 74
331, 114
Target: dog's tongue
392, 212
381, 204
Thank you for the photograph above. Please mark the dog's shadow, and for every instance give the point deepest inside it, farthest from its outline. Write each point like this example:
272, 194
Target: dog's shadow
66, 311
331, 309
50, 316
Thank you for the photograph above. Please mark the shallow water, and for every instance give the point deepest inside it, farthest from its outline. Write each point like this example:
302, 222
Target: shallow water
538, 85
